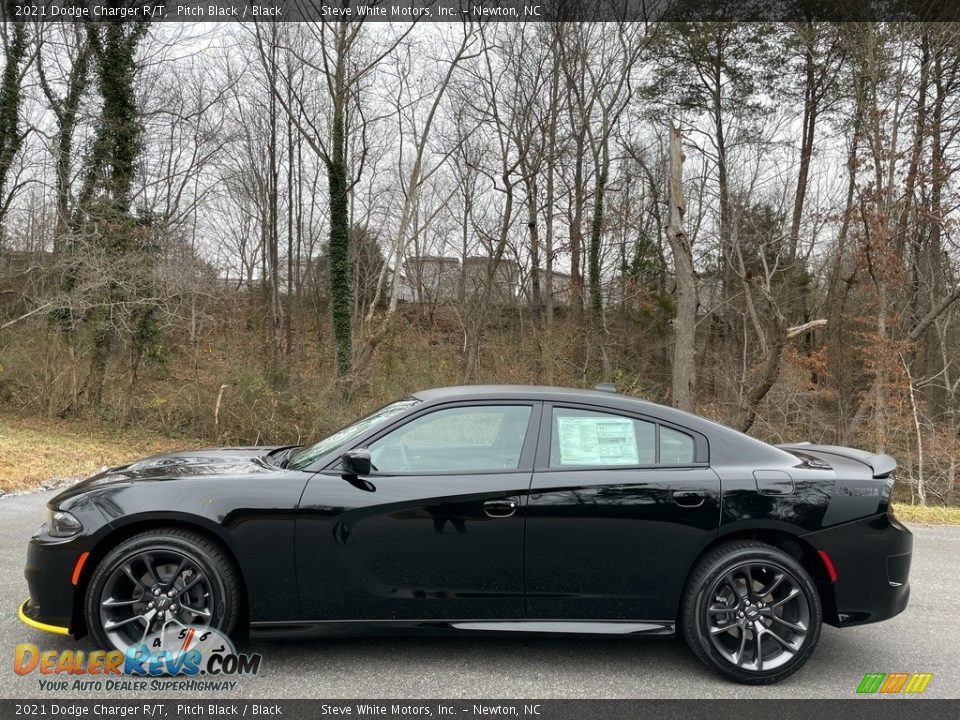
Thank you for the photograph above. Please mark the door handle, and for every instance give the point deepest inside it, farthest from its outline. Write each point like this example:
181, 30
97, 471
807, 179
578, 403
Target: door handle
501, 508
688, 499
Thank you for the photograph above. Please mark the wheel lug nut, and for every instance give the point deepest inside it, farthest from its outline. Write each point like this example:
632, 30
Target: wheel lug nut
156, 591
170, 593
173, 607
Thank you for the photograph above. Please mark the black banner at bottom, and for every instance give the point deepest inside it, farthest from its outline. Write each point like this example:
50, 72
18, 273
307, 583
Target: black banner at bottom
899, 708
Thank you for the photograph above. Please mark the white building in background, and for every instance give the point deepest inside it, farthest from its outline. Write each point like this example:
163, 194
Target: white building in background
562, 286
440, 278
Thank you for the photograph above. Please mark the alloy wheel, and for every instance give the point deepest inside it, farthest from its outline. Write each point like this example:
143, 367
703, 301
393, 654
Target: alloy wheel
149, 590
758, 616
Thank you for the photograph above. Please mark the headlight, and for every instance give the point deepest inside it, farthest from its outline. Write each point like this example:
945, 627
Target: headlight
63, 524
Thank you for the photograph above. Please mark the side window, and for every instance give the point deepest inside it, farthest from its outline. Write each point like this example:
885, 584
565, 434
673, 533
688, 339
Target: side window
462, 439
584, 437
675, 447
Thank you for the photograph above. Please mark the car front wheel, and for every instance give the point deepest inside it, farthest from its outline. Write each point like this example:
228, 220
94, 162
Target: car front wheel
158, 579
751, 612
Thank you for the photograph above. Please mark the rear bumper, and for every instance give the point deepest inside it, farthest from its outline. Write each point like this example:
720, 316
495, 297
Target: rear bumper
872, 560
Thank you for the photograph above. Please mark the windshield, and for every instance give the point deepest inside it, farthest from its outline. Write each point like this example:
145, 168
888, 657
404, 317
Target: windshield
314, 452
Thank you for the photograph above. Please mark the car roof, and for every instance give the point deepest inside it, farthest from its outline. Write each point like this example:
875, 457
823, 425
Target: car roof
533, 392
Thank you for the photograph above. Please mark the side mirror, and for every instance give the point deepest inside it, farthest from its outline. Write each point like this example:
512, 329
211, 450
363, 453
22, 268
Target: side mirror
356, 462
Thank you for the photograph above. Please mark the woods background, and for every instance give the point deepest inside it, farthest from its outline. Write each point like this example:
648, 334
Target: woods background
252, 233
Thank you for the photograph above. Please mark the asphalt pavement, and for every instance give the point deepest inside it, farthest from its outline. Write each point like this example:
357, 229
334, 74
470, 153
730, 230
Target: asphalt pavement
925, 638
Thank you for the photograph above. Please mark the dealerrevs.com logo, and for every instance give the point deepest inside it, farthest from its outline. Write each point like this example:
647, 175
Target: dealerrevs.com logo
171, 659
894, 683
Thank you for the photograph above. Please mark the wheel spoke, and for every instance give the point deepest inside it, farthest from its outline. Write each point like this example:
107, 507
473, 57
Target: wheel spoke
790, 596
128, 571
717, 629
738, 656
202, 611
728, 581
153, 573
146, 629
772, 586
759, 661
796, 627
113, 602
176, 574
185, 588
108, 627
721, 610
175, 619
786, 646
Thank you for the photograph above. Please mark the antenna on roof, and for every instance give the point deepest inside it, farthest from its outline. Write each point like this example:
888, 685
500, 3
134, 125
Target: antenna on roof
606, 387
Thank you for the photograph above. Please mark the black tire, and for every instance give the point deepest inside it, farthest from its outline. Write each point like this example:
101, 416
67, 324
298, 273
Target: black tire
716, 598
219, 580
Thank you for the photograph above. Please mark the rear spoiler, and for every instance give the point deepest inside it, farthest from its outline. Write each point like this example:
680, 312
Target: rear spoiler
881, 465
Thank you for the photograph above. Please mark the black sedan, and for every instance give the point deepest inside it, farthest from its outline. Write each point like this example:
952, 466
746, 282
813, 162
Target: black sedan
507, 509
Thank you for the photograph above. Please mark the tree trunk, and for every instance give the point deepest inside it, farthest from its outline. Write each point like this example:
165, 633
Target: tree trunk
535, 296
576, 236
684, 324
596, 239
340, 281
11, 137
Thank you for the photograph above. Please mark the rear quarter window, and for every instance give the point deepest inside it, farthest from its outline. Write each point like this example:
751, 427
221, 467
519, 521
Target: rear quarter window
675, 447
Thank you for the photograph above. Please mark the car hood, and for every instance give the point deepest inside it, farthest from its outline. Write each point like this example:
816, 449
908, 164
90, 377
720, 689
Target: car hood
204, 463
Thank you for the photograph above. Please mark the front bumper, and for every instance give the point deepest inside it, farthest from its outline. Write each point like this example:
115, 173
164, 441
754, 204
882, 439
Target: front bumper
49, 573
27, 615
872, 560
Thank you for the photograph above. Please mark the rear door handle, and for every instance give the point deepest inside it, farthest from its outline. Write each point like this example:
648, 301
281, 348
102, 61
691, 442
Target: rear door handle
688, 499
503, 508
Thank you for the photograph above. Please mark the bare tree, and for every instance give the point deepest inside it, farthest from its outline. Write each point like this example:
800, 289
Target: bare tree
685, 321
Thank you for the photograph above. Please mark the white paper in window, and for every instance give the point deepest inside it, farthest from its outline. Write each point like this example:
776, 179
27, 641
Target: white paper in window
596, 441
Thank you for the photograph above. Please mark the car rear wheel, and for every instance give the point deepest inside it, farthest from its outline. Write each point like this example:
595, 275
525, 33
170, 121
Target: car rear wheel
158, 579
751, 612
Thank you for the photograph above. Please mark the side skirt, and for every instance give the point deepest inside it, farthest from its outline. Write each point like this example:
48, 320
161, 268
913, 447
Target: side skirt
333, 628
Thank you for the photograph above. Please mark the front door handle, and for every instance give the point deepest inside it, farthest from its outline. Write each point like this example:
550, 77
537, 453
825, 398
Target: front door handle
503, 508
688, 499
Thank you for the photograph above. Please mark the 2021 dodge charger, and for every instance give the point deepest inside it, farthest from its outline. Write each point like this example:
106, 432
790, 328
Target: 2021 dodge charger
487, 509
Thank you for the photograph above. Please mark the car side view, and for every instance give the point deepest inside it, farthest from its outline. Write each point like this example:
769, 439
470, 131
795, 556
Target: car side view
495, 509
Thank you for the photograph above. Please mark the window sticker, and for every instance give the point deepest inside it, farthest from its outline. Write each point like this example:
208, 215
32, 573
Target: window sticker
597, 441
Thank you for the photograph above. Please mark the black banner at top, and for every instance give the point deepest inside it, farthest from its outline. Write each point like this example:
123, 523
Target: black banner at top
405, 11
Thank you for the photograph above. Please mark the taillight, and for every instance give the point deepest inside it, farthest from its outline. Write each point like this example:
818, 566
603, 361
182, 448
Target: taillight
828, 564
889, 492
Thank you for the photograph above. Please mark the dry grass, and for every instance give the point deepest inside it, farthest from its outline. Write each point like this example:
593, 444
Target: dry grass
34, 451
933, 515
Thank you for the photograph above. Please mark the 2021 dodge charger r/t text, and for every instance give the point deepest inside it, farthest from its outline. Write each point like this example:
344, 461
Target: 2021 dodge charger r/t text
487, 509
